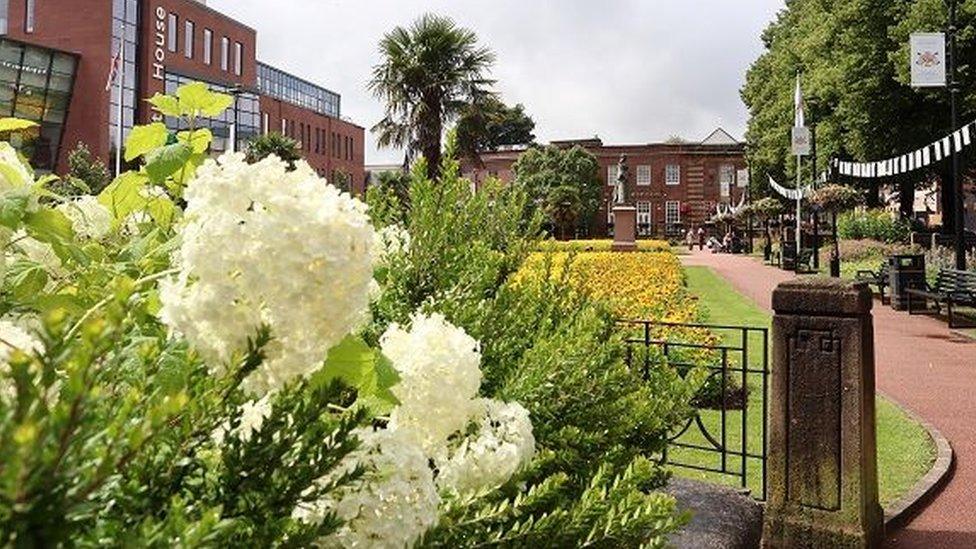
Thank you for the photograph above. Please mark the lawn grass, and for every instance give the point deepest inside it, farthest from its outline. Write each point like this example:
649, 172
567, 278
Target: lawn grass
905, 451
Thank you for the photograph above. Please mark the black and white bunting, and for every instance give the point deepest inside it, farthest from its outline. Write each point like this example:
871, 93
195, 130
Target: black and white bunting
942, 149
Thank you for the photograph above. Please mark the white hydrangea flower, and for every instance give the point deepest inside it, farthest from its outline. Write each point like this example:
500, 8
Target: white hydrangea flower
14, 338
263, 246
502, 445
388, 242
89, 218
440, 374
391, 507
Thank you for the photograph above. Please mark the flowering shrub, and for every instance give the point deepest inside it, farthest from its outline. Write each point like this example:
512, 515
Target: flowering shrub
836, 198
599, 246
874, 225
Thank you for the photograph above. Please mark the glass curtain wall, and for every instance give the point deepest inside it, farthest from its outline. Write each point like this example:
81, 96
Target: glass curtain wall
36, 84
291, 89
124, 12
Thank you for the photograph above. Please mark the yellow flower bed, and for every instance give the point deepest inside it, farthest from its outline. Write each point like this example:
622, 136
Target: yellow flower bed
600, 246
645, 286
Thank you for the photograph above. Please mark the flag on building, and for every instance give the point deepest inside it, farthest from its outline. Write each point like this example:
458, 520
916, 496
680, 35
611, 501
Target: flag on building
799, 117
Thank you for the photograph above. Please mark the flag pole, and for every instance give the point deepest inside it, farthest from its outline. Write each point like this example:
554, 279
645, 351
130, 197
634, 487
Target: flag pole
120, 126
799, 198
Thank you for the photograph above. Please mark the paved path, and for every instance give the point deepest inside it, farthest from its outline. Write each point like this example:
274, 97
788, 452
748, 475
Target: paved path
924, 367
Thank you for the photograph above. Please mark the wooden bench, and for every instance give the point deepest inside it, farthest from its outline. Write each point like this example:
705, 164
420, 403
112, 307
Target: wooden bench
952, 288
878, 278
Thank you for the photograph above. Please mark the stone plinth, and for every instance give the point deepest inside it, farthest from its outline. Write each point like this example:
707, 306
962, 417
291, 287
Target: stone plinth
822, 467
624, 229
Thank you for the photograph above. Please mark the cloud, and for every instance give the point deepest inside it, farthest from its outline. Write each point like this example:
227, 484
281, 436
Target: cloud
630, 71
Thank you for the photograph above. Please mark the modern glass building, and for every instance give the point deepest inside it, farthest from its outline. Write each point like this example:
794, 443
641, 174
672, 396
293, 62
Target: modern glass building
246, 109
36, 84
283, 86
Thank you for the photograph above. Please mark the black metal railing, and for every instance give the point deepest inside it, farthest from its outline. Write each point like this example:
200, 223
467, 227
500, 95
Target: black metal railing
725, 439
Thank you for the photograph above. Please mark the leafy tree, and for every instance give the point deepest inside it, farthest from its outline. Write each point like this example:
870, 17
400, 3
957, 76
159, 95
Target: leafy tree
431, 71
490, 124
87, 174
389, 198
276, 144
563, 183
853, 57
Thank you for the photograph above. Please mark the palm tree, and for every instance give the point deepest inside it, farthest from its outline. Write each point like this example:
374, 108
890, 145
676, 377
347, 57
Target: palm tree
431, 71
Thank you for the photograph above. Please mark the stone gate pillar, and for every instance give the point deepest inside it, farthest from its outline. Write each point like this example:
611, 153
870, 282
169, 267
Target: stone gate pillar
822, 468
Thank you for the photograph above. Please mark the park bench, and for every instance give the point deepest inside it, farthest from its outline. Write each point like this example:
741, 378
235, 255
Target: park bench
952, 288
804, 261
878, 278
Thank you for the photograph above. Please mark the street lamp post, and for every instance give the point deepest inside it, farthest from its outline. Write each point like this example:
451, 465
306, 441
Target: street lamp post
235, 91
957, 186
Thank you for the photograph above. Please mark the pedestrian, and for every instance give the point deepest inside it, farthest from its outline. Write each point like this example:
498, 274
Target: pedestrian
690, 239
701, 238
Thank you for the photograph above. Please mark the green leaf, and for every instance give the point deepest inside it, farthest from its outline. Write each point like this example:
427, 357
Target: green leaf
166, 161
145, 139
162, 210
167, 105
196, 99
365, 369
48, 225
25, 279
15, 124
200, 139
125, 195
13, 208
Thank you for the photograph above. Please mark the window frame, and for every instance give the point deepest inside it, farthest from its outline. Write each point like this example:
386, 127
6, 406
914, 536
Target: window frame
207, 46
644, 170
677, 212
668, 173
30, 16
612, 174
224, 53
238, 58
173, 32
189, 38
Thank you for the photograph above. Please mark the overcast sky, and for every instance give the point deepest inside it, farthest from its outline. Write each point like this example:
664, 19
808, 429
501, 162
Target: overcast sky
630, 71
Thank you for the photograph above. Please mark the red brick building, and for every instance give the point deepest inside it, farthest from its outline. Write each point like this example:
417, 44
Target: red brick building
673, 185
56, 56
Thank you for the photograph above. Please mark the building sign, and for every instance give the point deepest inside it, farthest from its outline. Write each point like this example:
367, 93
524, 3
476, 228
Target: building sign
928, 58
801, 141
159, 45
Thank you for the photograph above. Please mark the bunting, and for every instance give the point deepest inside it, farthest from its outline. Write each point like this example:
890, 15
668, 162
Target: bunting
792, 194
954, 143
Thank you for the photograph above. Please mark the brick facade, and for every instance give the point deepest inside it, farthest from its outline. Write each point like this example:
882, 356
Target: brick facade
691, 198
85, 28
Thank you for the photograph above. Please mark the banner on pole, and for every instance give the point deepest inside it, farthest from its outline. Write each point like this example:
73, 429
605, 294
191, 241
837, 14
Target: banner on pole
801, 141
928, 59
742, 178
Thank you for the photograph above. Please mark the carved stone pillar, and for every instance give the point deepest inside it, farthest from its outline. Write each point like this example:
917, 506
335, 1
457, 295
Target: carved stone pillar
822, 468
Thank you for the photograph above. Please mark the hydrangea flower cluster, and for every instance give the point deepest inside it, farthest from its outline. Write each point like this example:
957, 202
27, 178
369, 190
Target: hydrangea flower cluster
88, 217
502, 445
13, 338
392, 506
440, 374
265, 246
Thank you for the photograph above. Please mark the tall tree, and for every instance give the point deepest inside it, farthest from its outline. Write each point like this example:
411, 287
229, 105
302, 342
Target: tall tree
489, 124
430, 73
563, 183
854, 60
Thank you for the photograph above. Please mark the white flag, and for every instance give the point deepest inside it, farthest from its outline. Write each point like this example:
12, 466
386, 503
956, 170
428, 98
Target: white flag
799, 117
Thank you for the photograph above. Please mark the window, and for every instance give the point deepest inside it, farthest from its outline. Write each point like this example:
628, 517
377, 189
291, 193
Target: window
672, 212
172, 32
4, 10
224, 53
284, 126
188, 39
265, 123
643, 175
644, 218
296, 91
672, 174
207, 46
612, 173
29, 18
238, 58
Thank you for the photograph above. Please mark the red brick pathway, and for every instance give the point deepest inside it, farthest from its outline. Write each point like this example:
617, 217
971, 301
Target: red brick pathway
924, 367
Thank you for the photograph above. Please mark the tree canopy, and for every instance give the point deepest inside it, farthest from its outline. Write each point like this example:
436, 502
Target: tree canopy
489, 124
563, 183
854, 60
430, 72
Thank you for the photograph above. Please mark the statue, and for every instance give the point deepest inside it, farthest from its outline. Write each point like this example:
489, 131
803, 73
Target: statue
620, 187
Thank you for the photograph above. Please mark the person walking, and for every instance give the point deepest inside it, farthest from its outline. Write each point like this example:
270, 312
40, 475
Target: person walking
701, 238
690, 239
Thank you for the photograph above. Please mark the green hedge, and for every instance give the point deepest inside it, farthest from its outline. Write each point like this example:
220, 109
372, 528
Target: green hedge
874, 225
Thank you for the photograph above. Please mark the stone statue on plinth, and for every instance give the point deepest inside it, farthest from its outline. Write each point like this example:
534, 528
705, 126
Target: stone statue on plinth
620, 186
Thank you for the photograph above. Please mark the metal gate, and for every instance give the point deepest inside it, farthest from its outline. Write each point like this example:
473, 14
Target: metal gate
725, 439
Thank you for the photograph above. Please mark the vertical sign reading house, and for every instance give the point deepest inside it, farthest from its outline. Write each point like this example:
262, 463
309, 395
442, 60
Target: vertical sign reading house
928, 58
